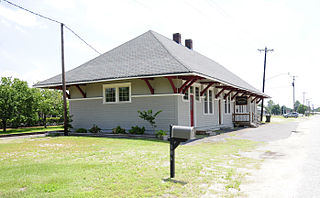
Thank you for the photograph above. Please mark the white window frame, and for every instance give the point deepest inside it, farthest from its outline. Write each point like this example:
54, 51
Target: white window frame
207, 106
186, 100
197, 86
227, 103
116, 86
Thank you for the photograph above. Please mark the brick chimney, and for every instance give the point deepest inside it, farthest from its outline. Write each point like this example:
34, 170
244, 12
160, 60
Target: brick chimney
188, 43
177, 38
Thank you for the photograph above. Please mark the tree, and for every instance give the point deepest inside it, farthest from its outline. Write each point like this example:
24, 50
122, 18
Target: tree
25, 103
296, 105
8, 102
269, 106
275, 109
49, 103
283, 109
302, 109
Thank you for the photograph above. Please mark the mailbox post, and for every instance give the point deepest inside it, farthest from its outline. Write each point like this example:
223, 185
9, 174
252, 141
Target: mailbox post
178, 134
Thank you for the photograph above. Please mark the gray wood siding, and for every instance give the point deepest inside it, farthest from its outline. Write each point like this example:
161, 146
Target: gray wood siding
107, 116
138, 86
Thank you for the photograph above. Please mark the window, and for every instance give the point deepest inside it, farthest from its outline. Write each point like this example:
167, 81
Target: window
197, 90
227, 104
110, 95
191, 90
208, 102
205, 103
186, 95
123, 94
116, 93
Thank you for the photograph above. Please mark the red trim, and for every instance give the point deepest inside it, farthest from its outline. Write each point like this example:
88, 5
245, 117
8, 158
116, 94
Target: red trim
244, 93
235, 95
172, 84
218, 94
228, 94
254, 99
184, 84
81, 91
207, 87
149, 85
189, 85
191, 110
259, 100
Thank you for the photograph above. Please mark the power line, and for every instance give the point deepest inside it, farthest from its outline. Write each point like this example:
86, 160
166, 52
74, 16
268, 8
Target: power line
53, 20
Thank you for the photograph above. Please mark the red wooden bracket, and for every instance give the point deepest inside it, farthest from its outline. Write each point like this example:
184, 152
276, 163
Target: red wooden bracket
244, 93
225, 87
172, 84
184, 84
218, 94
81, 91
235, 95
149, 85
254, 99
189, 85
259, 100
207, 87
228, 94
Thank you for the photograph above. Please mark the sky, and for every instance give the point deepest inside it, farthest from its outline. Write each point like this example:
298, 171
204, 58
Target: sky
228, 31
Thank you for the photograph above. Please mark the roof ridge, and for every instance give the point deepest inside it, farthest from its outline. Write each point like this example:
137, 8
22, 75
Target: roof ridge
179, 61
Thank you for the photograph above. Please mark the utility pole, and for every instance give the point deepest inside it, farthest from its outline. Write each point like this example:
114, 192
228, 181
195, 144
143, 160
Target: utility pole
304, 97
265, 50
64, 88
294, 96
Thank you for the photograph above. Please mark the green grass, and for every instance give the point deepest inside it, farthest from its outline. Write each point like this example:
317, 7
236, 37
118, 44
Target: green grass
107, 167
31, 129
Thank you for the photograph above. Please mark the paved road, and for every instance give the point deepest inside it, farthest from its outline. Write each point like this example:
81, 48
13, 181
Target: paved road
291, 166
269, 132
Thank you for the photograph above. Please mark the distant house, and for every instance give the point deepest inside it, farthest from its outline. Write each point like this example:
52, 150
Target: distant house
154, 72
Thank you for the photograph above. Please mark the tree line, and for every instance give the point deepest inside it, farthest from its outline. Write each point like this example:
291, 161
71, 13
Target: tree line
21, 106
275, 109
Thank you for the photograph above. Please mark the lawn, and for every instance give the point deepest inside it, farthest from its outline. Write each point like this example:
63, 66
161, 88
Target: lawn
108, 167
31, 129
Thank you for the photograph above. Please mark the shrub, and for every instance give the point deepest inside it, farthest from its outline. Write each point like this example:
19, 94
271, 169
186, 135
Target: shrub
81, 130
118, 129
95, 129
161, 133
137, 130
149, 117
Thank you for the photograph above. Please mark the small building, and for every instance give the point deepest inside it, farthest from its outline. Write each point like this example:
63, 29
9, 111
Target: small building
154, 72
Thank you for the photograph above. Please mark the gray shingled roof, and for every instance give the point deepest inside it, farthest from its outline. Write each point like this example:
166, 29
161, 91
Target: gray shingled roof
149, 54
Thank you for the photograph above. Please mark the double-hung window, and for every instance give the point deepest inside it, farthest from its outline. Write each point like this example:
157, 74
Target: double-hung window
186, 95
208, 102
197, 92
117, 93
227, 105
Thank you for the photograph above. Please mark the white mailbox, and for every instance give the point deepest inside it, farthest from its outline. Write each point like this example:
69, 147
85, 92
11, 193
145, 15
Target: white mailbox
183, 132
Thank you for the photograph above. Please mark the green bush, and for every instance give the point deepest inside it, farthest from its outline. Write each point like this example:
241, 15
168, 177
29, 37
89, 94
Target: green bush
81, 130
95, 129
55, 120
137, 130
161, 133
118, 129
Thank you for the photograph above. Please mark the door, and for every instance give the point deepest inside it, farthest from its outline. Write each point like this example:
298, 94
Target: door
191, 110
